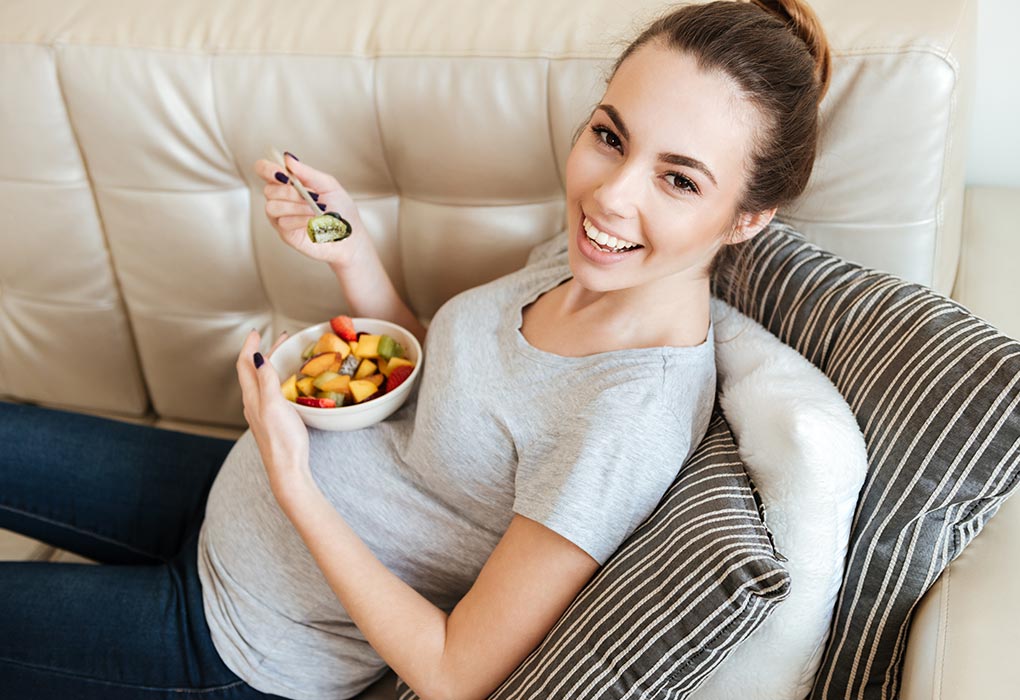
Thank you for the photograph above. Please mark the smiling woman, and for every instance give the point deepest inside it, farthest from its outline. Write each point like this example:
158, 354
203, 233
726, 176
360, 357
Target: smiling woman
704, 130
778, 66
445, 542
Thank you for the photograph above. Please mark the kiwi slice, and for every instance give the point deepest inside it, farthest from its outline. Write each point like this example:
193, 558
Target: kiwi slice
328, 227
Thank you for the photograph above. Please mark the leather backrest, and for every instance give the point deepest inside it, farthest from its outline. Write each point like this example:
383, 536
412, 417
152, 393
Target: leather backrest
134, 251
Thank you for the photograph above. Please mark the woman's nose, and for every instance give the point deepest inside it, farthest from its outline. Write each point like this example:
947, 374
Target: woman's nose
618, 193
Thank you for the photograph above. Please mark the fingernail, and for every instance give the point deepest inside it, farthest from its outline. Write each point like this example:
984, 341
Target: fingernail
288, 153
282, 178
314, 195
322, 206
258, 360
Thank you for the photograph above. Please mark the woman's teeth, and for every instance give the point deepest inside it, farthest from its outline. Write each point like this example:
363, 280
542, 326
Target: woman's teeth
604, 240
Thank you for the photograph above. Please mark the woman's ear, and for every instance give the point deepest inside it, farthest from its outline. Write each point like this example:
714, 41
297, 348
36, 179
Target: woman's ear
749, 225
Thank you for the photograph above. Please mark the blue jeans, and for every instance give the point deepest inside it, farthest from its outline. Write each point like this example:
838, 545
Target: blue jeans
131, 497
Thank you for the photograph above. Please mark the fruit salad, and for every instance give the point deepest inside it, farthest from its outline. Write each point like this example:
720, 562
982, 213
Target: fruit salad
344, 367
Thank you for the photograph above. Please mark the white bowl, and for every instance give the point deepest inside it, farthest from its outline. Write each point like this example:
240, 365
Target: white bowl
286, 360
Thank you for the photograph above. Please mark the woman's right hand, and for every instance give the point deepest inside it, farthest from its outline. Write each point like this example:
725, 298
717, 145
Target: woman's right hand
289, 213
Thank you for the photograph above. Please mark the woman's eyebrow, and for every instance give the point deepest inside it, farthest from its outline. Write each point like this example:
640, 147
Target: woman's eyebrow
673, 158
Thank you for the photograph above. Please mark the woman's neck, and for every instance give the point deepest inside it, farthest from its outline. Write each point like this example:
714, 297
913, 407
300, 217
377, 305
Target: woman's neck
666, 312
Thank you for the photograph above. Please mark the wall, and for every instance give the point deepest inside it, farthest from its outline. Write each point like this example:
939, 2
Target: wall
994, 157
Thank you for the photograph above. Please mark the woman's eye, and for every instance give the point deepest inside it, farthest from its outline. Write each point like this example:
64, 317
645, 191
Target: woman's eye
610, 138
683, 182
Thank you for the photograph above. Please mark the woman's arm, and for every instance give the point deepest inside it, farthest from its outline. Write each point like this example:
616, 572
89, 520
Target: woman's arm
527, 583
354, 260
370, 291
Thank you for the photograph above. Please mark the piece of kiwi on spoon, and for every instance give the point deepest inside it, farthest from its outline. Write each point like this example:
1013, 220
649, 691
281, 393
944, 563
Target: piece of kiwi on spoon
322, 228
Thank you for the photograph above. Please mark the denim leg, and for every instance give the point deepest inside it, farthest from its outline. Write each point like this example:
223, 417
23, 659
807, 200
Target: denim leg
110, 632
111, 491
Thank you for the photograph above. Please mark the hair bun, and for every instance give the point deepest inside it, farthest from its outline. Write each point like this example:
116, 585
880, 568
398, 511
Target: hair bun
802, 21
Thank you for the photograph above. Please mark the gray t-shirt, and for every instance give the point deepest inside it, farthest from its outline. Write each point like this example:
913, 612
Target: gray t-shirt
585, 445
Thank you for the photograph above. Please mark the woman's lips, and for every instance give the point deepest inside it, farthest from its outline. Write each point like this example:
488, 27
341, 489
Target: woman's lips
588, 248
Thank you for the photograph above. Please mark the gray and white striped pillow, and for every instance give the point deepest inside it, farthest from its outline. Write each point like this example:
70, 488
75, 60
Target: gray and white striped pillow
935, 391
688, 586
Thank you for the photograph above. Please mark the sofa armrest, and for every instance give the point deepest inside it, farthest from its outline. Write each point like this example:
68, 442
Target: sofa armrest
986, 279
965, 634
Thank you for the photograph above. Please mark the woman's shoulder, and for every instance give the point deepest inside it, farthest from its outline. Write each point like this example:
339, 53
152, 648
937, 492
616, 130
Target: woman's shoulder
549, 249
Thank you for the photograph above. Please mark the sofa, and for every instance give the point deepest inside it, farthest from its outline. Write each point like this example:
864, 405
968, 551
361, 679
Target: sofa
135, 254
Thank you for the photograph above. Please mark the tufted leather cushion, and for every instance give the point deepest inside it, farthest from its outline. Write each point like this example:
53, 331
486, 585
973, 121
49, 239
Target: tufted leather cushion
137, 125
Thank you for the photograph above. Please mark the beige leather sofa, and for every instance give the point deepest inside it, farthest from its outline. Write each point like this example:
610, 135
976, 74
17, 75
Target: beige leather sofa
134, 253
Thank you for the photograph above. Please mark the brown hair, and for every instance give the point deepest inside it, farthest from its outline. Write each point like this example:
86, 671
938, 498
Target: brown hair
777, 54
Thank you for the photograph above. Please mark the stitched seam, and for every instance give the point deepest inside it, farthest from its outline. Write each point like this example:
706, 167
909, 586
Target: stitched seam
122, 302
79, 530
174, 689
220, 133
548, 122
876, 50
63, 303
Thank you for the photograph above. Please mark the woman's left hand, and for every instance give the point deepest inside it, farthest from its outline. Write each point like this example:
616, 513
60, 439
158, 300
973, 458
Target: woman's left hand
280, 433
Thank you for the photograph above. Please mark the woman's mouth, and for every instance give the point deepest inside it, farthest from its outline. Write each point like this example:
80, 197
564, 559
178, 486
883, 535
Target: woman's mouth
601, 247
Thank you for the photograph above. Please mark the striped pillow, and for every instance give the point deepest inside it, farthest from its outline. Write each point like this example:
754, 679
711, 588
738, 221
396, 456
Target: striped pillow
689, 585
935, 390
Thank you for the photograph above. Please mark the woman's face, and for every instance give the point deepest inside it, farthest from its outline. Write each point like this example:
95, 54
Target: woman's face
660, 164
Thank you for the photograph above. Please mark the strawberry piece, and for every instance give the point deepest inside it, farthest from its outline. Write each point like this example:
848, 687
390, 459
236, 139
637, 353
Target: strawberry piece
343, 326
397, 377
317, 403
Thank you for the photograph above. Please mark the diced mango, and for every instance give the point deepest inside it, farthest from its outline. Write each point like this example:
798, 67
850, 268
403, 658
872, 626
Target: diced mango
366, 368
306, 386
393, 363
331, 342
354, 346
335, 367
318, 364
368, 346
361, 389
289, 388
339, 383
376, 379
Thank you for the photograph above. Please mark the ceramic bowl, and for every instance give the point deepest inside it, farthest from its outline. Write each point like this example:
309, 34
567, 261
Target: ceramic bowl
286, 360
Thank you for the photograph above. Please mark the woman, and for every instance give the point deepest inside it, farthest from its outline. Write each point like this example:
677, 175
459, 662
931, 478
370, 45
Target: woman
556, 405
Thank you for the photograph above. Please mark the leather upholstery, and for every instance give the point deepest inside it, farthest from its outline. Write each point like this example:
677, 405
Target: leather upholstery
135, 255
137, 126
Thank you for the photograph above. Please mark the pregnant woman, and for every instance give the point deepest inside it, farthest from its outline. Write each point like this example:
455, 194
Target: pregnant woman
556, 406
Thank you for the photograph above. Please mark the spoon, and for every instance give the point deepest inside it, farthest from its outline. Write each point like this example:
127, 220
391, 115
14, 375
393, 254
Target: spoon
274, 155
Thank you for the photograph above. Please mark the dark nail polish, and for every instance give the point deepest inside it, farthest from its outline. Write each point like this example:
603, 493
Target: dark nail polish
258, 360
282, 178
313, 195
288, 153
322, 206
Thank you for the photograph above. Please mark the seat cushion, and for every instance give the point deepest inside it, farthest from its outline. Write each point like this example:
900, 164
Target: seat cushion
688, 586
935, 390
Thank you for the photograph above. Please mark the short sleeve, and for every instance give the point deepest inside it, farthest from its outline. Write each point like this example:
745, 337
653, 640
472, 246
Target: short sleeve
602, 466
